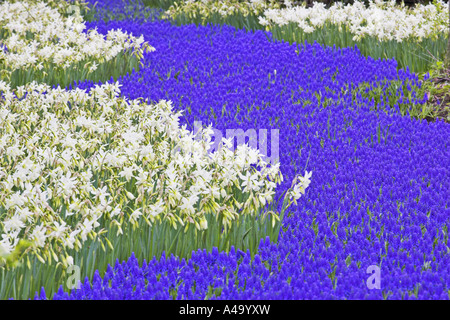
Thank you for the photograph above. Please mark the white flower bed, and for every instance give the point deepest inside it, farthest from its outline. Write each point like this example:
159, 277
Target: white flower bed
70, 158
384, 20
224, 8
36, 36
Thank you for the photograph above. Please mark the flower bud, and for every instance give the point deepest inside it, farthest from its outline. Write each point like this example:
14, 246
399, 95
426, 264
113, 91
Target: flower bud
203, 224
130, 195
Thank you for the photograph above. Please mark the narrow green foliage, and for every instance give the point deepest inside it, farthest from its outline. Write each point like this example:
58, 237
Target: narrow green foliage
22, 279
120, 65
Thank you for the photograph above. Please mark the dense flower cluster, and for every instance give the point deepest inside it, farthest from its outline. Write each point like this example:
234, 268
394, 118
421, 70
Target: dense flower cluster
383, 20
381, 181
218, 275
36, 36
98, 152
206, 8
121, 9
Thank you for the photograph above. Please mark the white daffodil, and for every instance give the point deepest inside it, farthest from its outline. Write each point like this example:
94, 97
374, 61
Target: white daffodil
300, 187
67, 184
15, 199
157, 208
127, 172
59, 229
188, 203
13, 224
38, 236
136, 214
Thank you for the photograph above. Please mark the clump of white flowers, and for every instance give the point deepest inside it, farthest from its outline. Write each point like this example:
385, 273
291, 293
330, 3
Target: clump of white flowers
71, 161
37, 40
206, 8
383, 20
299, 185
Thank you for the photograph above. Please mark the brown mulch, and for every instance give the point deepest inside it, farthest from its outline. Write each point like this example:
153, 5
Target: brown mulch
443, 108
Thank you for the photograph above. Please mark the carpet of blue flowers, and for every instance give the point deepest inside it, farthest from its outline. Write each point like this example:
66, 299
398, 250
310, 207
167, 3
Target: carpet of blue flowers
380, 192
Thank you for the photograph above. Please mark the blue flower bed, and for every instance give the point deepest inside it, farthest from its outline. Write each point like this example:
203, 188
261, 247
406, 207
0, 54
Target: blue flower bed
121, 10
380, 189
